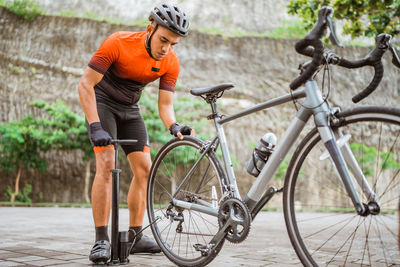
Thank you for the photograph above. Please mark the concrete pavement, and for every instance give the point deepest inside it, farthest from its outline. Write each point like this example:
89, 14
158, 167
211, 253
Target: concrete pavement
64, 236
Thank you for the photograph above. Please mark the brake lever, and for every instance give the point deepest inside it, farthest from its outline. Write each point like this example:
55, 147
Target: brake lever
333, 36
383, 41
395, 59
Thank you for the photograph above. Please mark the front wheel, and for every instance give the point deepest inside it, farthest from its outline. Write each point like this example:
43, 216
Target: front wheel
179, 231
320, 218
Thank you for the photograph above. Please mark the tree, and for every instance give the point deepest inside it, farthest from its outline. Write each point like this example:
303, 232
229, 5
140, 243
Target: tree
22, 144
188, 111
363, 17
62, 119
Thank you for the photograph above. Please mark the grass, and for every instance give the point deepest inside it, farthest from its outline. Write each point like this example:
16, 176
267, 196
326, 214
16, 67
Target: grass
289, 29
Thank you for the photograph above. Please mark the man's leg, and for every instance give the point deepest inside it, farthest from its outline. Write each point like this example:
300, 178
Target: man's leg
140, 163
101, 203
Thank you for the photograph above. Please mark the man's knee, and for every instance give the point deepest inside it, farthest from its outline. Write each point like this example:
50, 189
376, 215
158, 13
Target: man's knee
104, 163
142, 172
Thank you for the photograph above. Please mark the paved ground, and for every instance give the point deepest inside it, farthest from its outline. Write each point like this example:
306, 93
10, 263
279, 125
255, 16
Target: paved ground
64, 236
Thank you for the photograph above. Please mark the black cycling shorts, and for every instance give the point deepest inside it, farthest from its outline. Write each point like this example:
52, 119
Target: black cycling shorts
122, 121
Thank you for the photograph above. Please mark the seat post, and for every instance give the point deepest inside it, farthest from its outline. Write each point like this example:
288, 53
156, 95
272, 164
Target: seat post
214, 109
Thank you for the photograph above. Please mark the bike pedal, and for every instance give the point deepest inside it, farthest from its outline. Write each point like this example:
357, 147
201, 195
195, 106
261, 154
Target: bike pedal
204, 249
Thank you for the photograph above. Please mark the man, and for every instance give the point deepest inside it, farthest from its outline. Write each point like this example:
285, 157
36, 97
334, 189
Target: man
109, 91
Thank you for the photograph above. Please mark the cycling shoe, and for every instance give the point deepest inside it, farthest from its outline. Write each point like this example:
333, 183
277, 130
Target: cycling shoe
101, 252
145, 245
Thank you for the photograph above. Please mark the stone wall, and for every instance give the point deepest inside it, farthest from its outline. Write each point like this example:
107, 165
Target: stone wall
43, 59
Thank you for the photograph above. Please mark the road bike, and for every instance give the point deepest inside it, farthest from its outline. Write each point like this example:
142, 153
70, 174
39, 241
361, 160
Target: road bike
342, 185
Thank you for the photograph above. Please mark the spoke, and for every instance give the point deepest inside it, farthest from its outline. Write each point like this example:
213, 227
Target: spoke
196, 236
179, 244
389, 187
299, 193
387, 157
167, 172
208, 221
381, 241
351, 243
173, 242
334, 234
318, 218
202, 179
394, 235
366, 244
330, 226
387, 201
198, 228
170, 224
206, 224
169, 230
165, 190
377, 160
188, 243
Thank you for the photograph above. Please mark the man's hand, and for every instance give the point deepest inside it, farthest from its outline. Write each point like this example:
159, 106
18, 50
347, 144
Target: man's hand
98, 136
180, 130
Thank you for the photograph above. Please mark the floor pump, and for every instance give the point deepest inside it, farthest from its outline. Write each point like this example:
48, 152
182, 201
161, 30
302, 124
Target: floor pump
120, 246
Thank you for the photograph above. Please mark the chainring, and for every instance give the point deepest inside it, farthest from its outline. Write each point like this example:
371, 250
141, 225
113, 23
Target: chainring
235, 210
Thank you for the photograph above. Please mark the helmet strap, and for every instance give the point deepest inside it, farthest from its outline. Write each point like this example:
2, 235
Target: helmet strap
148, 41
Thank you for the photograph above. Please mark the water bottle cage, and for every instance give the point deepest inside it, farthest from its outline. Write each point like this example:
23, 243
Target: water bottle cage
264, 155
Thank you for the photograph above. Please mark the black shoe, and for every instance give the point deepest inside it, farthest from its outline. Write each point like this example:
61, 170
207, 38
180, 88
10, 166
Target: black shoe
145, 245
101, 252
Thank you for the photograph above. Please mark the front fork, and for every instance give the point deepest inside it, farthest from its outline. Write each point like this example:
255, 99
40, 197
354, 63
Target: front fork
344, 160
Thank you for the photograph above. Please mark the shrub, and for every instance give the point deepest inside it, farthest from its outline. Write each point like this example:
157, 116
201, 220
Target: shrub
27, 9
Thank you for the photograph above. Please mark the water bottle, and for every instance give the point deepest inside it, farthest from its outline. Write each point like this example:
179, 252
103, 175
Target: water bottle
261, 154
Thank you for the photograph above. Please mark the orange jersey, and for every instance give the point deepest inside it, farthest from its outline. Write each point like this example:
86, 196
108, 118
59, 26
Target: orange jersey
127, 67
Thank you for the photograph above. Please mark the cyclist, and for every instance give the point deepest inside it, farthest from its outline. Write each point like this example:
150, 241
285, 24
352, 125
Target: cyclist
109, 91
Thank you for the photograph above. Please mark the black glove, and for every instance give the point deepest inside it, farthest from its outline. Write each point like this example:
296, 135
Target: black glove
98, 136
176, 128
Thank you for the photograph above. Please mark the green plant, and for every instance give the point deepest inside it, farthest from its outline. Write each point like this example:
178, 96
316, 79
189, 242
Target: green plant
91, 15
72, 128
23, 143
141, 22
363, 18
14, 69
22, 196
281, 172
368, 157
112, 21
68, 14
187, 112
27, 9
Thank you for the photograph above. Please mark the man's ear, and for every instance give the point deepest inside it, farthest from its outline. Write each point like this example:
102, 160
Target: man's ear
149, 28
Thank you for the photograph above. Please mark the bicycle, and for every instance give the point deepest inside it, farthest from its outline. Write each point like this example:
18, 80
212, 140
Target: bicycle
343, 212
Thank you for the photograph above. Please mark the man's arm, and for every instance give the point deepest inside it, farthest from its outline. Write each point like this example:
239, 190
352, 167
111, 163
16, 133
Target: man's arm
166, 110
86, 94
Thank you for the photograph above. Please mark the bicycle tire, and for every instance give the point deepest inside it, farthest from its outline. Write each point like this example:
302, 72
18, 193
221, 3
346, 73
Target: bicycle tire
321, 221
170, 165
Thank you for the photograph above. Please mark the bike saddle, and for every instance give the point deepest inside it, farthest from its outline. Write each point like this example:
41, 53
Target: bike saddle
211, 90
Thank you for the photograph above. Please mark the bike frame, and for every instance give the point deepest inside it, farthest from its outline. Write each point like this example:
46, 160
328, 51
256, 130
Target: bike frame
314, 106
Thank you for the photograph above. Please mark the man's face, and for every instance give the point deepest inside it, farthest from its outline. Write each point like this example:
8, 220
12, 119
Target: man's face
162, 42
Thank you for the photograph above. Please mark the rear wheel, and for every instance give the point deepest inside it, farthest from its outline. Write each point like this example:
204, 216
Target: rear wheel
178, 231
320, 217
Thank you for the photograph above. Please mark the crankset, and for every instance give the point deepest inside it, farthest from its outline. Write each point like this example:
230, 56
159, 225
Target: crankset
234, 213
